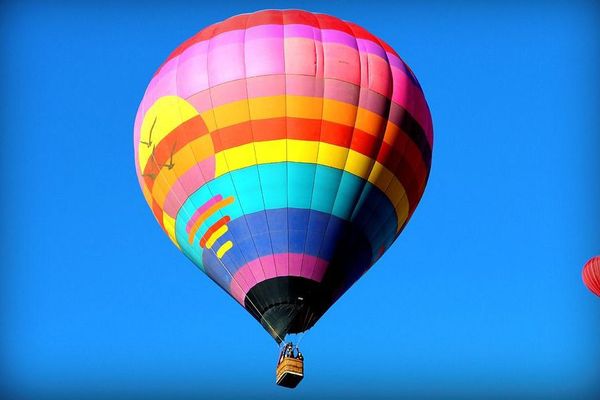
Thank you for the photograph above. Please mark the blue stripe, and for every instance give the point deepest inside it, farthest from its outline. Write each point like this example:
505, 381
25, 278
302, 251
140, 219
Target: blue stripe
341, 208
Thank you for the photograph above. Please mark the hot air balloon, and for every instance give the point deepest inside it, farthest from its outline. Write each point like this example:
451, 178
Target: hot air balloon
591, 275
283, 152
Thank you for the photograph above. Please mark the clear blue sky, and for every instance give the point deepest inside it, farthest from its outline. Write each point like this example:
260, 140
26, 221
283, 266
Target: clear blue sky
480, 297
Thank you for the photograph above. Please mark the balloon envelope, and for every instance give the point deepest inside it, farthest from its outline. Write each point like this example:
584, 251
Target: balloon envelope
591, 275
283, 152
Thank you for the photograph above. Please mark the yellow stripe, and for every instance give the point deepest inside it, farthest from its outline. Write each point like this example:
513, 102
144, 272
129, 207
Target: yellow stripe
329, 155
166, 114
270, 151
215, 236
169, 224
235, 158
332, 156
224, 249
302, 150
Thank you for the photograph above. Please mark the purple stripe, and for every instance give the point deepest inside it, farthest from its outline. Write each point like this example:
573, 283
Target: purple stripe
264, 268
227, 38
264, 32
192, 61
335, 36
395, 60
299, 31
372, 48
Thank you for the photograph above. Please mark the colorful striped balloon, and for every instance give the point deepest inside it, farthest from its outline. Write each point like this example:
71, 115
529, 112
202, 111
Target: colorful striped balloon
283, 152
591, 275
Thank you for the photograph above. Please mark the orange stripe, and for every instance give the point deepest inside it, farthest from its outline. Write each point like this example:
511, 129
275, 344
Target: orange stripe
213, 229
206, 214
170, 145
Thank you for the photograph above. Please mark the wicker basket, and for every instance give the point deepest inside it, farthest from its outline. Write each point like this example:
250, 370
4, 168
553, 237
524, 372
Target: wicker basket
290, 372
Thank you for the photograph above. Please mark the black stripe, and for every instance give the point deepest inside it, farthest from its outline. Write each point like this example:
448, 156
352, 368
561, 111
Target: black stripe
292, 304
414, 131
288, 304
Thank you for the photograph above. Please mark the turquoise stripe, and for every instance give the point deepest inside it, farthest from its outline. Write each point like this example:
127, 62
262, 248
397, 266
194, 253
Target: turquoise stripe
327, 183
300, 183
272, 181
295, 185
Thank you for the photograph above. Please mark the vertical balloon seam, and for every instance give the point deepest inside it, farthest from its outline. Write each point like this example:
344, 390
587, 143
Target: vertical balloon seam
286, 135
243, 215
329, 218
283, 15
428, 164
205, 182
307, 315
286, 267
287, 164
397, 162
314, 89
319, 60
263, 306
247, 18
211, 206
315, 165
398, 159
311, 214
276, 262
401, 155
379, 140
217, 137
426, 159
379, 137
361, 93
227, 169
208, 184
378, 246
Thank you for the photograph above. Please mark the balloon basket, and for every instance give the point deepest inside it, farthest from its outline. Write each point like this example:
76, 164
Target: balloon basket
290, 372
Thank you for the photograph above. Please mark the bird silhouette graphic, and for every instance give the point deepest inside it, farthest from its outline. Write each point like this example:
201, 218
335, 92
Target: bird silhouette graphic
149, 142
170, 164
